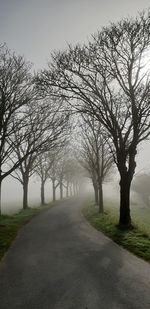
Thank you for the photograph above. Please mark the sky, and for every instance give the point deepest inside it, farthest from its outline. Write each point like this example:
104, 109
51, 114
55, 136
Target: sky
35, 28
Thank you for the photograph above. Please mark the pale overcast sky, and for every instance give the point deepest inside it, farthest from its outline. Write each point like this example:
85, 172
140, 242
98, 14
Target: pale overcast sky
36, 27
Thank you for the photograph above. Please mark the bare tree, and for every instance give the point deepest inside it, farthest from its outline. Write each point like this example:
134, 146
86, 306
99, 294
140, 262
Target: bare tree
15, 93
94, 155
53, 173
44, 128
66, 171
108, 80
61, 174
73, 173
67, 176
48, 165
42, 169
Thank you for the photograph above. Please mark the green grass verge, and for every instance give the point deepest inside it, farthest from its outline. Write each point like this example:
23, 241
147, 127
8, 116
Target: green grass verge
10, 225
136, 240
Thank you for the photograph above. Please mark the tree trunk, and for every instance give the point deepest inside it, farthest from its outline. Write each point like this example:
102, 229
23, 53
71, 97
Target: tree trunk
0, 197
100, 200
42, 193
74, 189
125, 218
25, 194
61, 190
126, 177
77, 191
95, 193
67, 190
54, 190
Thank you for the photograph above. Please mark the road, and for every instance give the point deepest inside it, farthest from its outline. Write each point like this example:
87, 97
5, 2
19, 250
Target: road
58, 261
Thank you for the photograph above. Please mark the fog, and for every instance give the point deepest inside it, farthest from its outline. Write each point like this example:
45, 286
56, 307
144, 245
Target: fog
20, 28
12, 190
12, 193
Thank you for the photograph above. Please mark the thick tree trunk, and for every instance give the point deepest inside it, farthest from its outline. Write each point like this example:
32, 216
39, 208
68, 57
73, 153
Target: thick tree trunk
100, 200
54, 190
25, 194
126, 176
125, 218
0, 197
95, 193
42, 193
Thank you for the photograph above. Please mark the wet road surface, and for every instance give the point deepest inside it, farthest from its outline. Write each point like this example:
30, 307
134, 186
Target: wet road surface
58, 261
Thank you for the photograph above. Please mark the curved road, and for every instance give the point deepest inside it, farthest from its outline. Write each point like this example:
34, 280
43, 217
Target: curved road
58, 261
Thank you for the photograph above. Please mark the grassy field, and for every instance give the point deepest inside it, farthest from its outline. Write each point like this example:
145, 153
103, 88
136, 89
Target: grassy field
10, 225
136, 240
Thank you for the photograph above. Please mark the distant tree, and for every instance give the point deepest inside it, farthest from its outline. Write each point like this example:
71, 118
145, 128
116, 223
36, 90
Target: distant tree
73, 174
15, 93
61, 174
94, 155
109, 79
64, 173
42, 168
68, 175
53, 173
67, 170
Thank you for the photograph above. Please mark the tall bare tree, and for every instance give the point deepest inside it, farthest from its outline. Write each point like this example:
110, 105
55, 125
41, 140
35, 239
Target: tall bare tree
15, 93
109, 79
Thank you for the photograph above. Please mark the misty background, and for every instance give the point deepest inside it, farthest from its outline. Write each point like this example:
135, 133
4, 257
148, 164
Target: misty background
34, 29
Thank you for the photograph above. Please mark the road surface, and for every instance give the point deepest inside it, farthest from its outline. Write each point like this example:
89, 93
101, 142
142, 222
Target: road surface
58, 261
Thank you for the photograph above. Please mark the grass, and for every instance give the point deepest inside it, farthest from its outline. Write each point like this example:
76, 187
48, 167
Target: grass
10, 225
136, 240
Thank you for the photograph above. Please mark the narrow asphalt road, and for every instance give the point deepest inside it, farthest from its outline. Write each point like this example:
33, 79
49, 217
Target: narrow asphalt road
58, 261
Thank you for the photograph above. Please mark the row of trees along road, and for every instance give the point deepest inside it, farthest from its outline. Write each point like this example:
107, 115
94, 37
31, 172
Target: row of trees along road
62, 169
108, 79
29, 126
